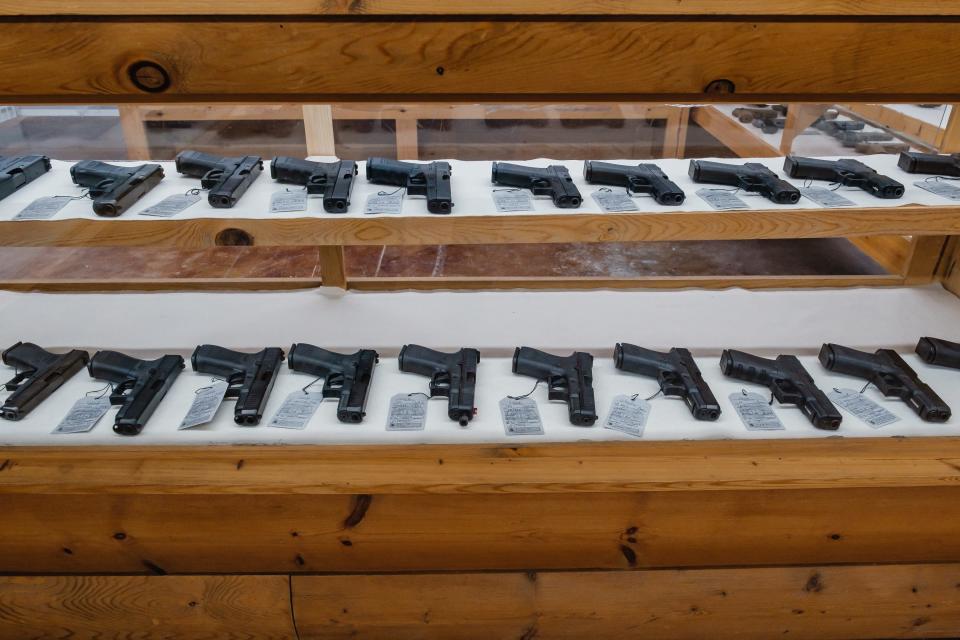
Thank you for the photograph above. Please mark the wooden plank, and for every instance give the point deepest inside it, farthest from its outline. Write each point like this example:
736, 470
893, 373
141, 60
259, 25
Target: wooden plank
733, 134
799, 117
318, 126
924, 259
890, 252
505, 111
462, 228
55, 61
933, 8
160, 284
821, 603
215, 112
147, 608
332, 268
381, 508
592, 282
134, 133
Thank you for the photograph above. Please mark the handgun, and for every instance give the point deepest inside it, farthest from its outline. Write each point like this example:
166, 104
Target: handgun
453, 375
882, 147
676, 372
430, 179
641, 178
943, 353
226, 178
887, 371
333, 180
345, 376
250, 377
789, 382
38, 374
853, 138
112, 188
747, 115
930, 163
138, 385
751, 176
568, 378
837, 127
770, 125
553, 181
17, 171
849, 173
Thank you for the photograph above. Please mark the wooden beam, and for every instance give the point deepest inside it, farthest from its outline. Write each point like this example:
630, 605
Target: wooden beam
799, 117
463, 228
817, 603
318, 126
932, 8
332, 268
87, 607
732, 134
205, 60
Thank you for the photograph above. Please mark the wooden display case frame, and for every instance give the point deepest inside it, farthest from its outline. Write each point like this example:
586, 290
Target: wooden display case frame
822, 538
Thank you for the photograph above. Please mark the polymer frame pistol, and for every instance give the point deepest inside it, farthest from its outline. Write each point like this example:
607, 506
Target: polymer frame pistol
887, 371
937, 351
430, 179
849, 173
18, 171
568, 378
345, 376
787, 380
930, 163
641, 178
553, 181
332, 180
751, 176
675, 371
113, 188
138, 385
38, 374
453, 375
250, 377
227, 179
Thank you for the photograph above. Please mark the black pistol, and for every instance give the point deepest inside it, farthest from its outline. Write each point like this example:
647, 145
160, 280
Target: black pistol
38, 374
226, 178
887, 371
17, 171
940, 352
849, 173
250, 376
138, 385
332, 180
553, 181
751, 176
676, 372
930, 163
789, 382
853, 138
641, 178
568, 378
346, 376
112, 188
430, 179
747, 115
451, 374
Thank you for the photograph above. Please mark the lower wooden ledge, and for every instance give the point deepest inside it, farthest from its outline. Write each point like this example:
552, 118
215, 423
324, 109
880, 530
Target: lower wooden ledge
815, 603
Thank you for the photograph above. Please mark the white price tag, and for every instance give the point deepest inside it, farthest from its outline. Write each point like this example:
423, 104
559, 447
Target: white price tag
521, 417
385, 203
506, 200
862, 407
721, 199
43, 208
296, 410
940, 188
755, 412
284, 201
614, 201
826, 197
172, 205
408, 412
84, 415
205, 404
628, 414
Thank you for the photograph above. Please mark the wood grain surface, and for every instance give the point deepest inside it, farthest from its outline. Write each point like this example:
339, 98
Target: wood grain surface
146, 608
817, 603
247, 59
